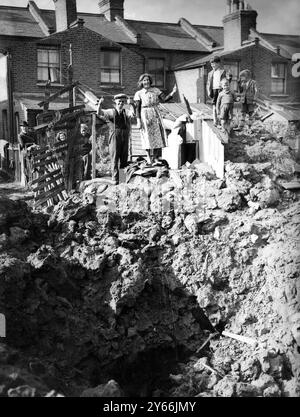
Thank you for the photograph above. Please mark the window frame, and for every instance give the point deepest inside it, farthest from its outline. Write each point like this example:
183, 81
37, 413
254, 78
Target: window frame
238, 63
284, 78
155, 58
47, 48
102, 67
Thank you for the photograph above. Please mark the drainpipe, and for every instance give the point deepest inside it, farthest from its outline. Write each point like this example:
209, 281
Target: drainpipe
11, 118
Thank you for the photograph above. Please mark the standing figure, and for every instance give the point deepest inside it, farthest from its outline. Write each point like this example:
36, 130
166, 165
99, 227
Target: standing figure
81, 159
26, 139
224, 105
148, 117
61, 149
248, 93
119, 120
85, 151
215, 76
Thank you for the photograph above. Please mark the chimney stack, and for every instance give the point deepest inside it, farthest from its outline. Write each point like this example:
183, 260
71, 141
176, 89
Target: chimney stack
112, 8
65, 14
237, 23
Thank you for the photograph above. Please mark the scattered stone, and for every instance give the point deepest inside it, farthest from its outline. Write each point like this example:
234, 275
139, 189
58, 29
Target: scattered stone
111, 389
226, 387
22, 391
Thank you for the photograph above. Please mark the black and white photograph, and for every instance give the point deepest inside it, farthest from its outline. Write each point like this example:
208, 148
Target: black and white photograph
149, 201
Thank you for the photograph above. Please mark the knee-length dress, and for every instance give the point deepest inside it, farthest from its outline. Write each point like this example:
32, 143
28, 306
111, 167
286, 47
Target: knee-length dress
152, 132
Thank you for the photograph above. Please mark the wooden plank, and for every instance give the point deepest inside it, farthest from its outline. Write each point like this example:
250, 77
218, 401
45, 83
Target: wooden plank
48, 175
71, 109
41, 194
44, 163
39, 150
40, 127
49, 194
59, 144
70, 116
41, 157
58, 94
56, 181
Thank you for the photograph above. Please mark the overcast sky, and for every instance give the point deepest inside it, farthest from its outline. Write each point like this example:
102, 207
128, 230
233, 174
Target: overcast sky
274, 16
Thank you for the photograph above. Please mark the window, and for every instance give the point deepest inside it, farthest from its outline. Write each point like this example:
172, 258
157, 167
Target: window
111, 67
157, 70
48, 64
234, 69
278, 74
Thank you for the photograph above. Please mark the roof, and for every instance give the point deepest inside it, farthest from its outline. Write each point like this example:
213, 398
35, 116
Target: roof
215, 32
195, 63
18, 21
289, 44
159, 35
31, 101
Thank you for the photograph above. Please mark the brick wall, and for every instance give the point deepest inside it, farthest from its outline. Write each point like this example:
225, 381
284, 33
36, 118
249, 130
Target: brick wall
258, 60
172, 58
86, 47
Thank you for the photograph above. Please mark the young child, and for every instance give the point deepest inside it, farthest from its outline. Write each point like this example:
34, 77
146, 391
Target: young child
215, 77
225, 105
119, 120
248, 94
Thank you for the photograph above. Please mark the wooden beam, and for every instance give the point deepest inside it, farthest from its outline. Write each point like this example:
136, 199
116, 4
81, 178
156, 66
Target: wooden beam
58, 94
70, 109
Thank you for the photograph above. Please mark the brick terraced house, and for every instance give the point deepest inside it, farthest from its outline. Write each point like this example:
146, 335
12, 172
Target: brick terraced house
109, 53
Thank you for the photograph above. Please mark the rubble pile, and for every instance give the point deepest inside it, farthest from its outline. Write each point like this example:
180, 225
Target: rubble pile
118, 290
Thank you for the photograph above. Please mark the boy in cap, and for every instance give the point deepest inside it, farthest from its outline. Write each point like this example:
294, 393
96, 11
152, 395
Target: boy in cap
25, 137
215, 76
119, 120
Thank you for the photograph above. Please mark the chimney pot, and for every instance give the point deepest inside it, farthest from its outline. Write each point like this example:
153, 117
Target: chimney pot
111, 8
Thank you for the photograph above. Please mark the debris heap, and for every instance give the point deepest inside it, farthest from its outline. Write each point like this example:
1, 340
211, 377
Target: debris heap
169, 286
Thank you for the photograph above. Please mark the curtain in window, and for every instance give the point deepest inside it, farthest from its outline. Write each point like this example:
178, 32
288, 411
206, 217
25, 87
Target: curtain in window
278, 72
111, 67
156, 67
48, 64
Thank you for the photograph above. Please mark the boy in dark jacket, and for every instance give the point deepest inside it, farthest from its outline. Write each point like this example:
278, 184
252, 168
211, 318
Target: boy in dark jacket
119, 120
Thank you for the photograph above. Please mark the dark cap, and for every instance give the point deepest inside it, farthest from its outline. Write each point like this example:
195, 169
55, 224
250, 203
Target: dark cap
120, 96
215, 58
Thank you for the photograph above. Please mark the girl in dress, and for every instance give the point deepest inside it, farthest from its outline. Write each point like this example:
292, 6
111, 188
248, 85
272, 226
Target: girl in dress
148, 116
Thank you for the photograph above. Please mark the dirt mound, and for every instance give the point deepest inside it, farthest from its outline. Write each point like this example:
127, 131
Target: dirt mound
126, 284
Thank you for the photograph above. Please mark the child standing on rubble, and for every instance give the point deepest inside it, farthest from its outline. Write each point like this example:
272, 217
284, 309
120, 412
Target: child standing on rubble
224, 105
248, 93
119, 120
149, 120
